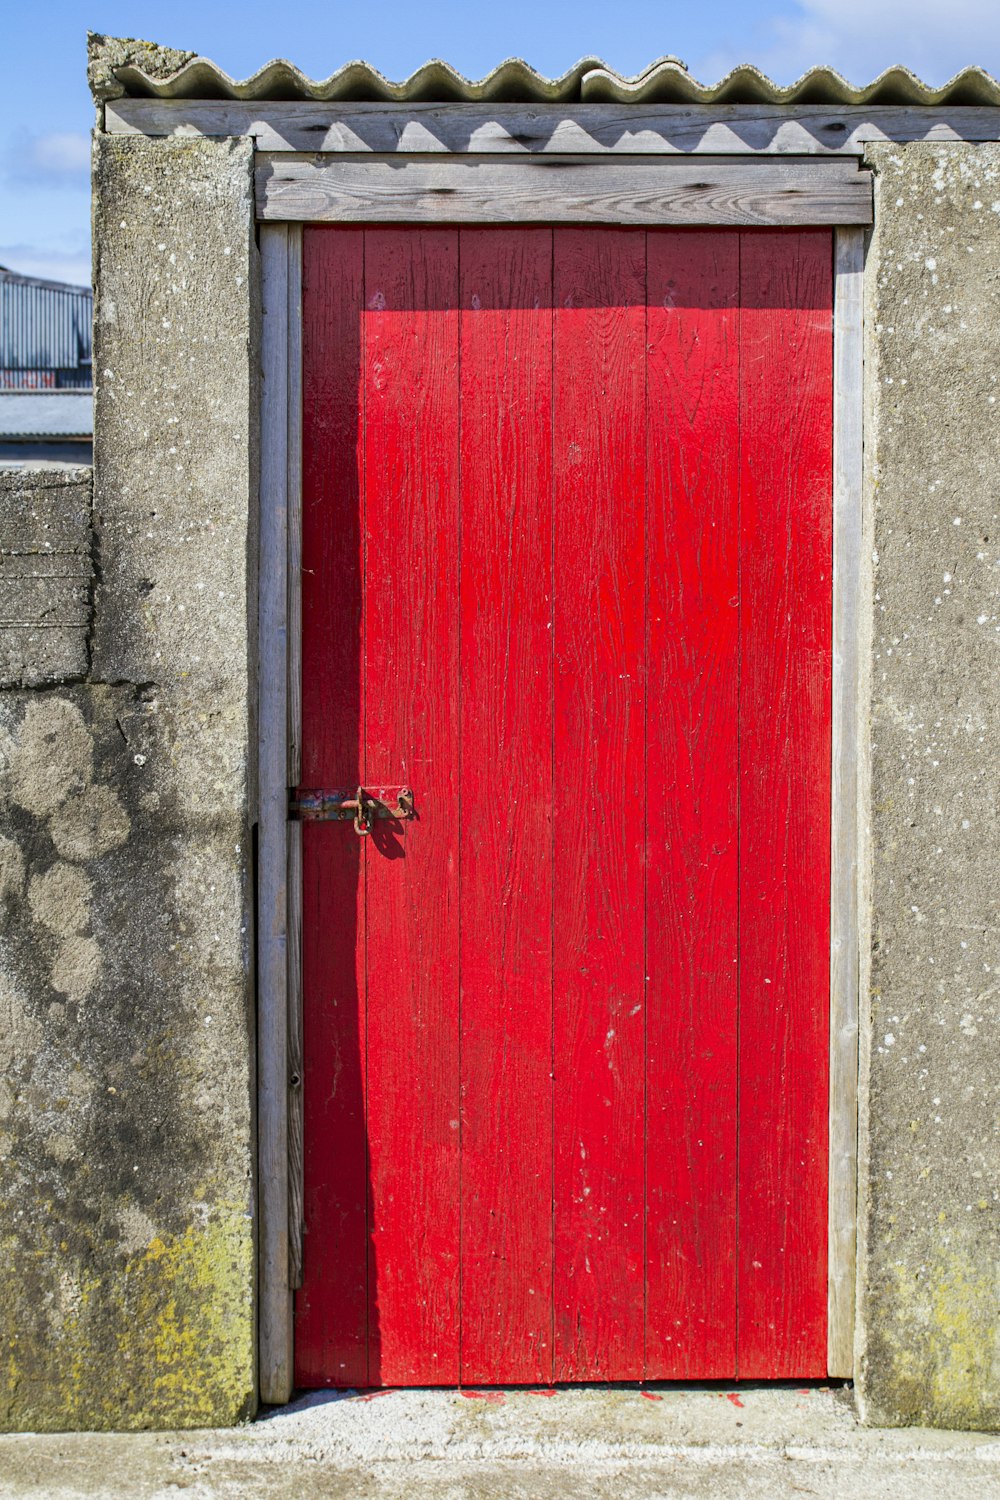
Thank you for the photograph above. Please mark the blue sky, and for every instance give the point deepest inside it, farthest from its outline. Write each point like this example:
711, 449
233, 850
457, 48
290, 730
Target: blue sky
46, 112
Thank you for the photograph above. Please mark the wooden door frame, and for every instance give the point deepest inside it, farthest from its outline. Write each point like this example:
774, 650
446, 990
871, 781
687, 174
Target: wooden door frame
279, 1122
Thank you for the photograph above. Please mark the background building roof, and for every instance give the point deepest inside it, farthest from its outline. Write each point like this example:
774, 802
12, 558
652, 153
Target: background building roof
46, 414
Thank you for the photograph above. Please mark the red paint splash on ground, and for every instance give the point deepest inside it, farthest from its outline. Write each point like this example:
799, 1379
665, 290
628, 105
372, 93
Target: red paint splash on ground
651, 1395
731, 1396
497, 1397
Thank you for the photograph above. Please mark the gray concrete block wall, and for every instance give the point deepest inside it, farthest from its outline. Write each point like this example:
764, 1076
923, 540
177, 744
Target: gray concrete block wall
46, 575
126, 779
930, 1232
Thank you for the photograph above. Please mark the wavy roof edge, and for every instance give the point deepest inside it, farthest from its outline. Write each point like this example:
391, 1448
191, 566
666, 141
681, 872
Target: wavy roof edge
122, 67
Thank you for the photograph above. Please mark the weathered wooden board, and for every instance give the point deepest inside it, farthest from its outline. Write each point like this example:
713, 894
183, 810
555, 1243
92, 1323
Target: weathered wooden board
331, 1311
411, 457
552, 190
296, 1123
272, 930
505, 809
582, 129
786, 418
692, 483
599, 445
848, 404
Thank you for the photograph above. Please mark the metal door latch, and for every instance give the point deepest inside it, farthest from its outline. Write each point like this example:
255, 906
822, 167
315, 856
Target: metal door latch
359, 807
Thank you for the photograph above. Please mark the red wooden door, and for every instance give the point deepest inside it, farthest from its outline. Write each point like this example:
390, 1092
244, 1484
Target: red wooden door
567, 558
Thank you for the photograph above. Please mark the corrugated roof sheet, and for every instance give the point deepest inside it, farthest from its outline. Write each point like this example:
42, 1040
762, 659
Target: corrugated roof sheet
121, 66
49, 414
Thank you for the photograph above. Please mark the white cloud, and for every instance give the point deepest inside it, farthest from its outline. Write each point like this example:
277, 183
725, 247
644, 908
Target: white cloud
860, 38
59, 159
54, 265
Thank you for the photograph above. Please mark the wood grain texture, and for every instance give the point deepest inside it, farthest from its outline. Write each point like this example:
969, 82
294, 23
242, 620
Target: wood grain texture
576, 129
331, 1309
275, 1314
411, 735
848, 406
505, 805
692, 477
552, 190
599, 830
785, 706
296, 1122
573, 490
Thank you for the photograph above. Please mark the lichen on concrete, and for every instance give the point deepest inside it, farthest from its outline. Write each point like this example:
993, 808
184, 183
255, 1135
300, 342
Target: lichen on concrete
106, 53
930, 1292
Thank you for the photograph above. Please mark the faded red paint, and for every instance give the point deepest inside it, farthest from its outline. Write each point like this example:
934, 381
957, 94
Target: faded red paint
567, 538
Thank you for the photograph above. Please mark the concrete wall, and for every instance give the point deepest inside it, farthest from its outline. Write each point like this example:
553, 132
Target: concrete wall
126, 1075
126, 733
930, 1287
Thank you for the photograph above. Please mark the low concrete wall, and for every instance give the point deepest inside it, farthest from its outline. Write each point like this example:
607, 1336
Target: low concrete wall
930, 1288
47, 576
126, 1031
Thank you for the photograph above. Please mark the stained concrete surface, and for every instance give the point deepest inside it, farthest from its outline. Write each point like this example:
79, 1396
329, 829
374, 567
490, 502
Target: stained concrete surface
127, 738
930, 1174
731, 1443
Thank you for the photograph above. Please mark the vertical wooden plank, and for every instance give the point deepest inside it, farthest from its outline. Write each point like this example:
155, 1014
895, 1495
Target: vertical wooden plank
848, 403
506, 822
331, 1308
411, 715
296, 1124
599, 821
691, 803
785, 707
275, 1309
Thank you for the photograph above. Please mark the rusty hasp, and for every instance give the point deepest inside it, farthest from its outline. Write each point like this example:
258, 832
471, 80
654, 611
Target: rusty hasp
336, 805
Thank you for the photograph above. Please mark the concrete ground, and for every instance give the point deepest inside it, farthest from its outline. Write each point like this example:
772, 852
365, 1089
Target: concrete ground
709, 1443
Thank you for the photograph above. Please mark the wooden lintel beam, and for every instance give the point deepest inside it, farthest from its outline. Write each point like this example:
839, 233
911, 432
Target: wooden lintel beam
549, 190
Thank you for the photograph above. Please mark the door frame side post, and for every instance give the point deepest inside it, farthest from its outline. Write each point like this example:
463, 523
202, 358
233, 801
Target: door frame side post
274, 1291
848, 407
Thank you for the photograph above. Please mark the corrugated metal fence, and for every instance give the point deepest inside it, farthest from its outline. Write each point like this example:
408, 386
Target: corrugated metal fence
45, 333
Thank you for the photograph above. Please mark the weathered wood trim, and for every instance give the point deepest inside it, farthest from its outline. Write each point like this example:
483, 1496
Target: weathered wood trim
580, 129
279, 923
673, 191
848, 375
274, 1297
296, 1132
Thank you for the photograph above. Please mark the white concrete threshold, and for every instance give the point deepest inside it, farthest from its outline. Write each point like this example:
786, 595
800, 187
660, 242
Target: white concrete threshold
694, 1443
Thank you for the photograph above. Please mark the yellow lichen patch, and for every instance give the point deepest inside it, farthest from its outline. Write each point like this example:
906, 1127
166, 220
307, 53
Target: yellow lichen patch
943, 1365
193, 1313
167, 1340
964, 1339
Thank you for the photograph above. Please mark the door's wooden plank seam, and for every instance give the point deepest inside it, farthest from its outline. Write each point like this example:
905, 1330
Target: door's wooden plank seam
645, 799
844, 957
274, 1293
